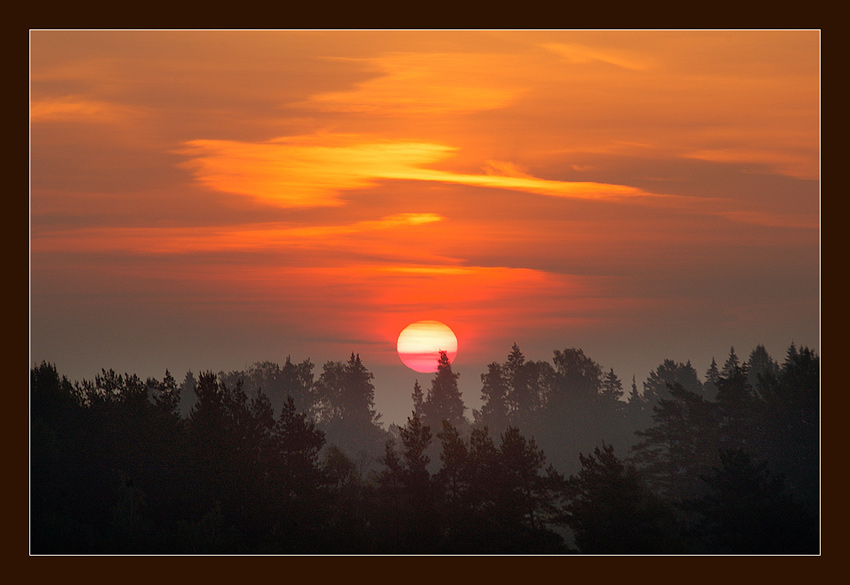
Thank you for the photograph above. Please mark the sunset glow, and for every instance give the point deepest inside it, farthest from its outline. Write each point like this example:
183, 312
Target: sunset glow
209, 199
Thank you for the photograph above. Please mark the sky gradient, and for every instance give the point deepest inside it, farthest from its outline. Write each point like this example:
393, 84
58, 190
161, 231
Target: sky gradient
203, 200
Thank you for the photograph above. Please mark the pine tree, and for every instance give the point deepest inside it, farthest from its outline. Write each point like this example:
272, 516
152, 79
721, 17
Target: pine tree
732, 365
667, 374
612, 386
712, 376
347, 415
166, 394
790, 422
578, 379
634, 396
682, 443
612, 511
444, 401
359, 396
494, 396
527, 496
418, 399
406, 485
748, 510
760, 365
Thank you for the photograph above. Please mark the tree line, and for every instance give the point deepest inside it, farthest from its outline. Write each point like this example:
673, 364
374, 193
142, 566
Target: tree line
559, 459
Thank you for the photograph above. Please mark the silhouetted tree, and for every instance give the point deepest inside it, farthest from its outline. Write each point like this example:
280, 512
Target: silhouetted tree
187, 393
760, 365
219, 468
670, 373
612, 387
348, 518
638, 411
455, 474
298, 480
58, 451
732, 366
497, 500
484, 532
346, 407
528, 496
612, 511
513, 392
578, 379
527, 482
418, 399
682, 443
712, 375
747, 510
166, 395
528, 381
573, 418
277, 383
408, 489
790, 422
737, 404
444, 401
494, 412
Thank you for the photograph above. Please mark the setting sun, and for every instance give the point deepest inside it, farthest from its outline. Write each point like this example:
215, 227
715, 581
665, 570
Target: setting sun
419, 345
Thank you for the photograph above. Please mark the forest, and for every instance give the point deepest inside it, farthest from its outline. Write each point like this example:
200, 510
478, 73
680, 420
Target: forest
562, 458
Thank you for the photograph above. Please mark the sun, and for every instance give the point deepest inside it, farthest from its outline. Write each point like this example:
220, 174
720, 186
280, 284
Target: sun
420, 343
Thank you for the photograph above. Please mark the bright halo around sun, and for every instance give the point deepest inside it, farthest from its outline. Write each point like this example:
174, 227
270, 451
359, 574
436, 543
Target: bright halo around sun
419, 345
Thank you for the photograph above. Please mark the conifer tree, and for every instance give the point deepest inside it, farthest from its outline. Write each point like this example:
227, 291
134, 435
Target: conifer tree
732, 365
418, 399
748, 510
612, 511
712, 376
634, 395
347, 414
444, 401
494, 396
612, 386
760, 365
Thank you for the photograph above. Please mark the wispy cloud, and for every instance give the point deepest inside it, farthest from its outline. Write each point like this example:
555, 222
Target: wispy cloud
310, 171
305, 171
579, 54
78, 109
189, 240
771, 219
797, 163
425, 83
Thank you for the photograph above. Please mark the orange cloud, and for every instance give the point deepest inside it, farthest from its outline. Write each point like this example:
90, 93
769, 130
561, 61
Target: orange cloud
579, 54
309, 171
305, 171
765, 218
186, 240
799, 164
77, 109
425, 83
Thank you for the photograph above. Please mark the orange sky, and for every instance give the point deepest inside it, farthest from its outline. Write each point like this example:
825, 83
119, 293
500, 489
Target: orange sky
204, 200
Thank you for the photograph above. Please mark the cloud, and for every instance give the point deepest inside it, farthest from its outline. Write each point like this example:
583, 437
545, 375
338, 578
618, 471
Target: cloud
425, 83
769, 219
77, 109
579, 54
304, 171
795, 163
310, 171
189, 240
